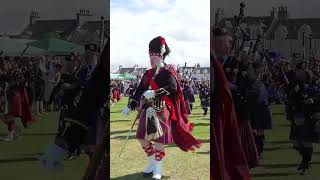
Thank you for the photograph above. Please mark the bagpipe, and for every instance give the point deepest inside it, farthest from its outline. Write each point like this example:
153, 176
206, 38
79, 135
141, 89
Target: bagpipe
238, 20
256, 54
239, 35
15, 80
16, 73
76, 82
259, 55
243, 73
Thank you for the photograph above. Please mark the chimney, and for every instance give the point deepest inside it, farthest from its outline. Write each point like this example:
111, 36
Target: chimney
33, 16
102, 30
218, 16
283, 13
82, 16
273, 12
102, 27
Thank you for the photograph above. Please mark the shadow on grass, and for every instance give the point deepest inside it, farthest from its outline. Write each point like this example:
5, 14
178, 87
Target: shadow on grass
284, 125
118, 112
287, 165
279, 142
15, 160
196, 116
137, 176
202, 140
39, 134
278, 114
202, 124
30, 154
316, 153
276, 166
204, 153
119, 121
196, 107
272, 174
277, 148
315, 163
31, 134
132, 136
122, 131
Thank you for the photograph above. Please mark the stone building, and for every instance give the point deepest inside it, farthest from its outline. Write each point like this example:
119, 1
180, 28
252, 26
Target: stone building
288, 36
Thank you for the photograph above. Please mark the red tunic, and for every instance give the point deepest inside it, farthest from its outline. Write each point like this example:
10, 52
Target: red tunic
14, 105
27, 116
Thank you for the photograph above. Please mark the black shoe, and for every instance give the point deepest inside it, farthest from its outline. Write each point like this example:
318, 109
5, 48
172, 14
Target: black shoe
297, 148
305, 170
304, 167
147, 174
301, 165
306, 153
259, 141
205, 113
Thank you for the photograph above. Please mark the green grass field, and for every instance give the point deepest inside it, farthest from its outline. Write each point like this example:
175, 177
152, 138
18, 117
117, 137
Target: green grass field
280, 161
177, 165
19, 159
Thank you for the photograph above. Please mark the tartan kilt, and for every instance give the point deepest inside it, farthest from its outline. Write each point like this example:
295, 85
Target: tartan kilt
205, 102
115, 95
163, 116
118, 95
248, 144
305, 132
187, 104
15, 105
261, 117
91, 135
31, 94
3, 104
39, 92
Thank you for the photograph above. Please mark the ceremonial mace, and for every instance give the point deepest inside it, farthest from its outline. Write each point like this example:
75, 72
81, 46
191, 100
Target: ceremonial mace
134, 122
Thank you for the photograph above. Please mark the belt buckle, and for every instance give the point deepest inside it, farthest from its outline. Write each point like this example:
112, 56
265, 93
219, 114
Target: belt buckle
158, 105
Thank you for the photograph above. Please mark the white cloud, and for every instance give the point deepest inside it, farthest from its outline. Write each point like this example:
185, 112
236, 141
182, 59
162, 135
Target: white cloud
184, 24
160, 4
138, 3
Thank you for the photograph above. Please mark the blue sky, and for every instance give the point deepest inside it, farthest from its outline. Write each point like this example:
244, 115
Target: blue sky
183, 23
